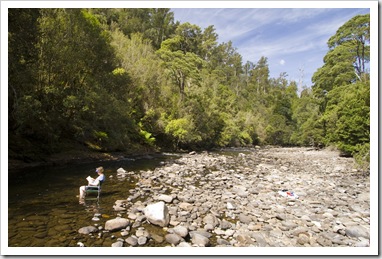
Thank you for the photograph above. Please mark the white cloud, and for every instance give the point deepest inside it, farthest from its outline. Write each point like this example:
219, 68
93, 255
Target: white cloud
282, 62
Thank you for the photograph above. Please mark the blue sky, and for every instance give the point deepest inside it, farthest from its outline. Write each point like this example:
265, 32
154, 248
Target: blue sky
293, 39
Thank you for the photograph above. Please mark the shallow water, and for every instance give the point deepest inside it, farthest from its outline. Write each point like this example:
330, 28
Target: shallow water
43, 209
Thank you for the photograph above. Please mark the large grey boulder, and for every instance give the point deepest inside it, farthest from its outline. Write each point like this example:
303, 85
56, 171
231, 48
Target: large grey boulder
116, 224
157, 214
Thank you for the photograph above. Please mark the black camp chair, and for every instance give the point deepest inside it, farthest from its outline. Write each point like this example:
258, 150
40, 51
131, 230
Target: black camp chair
91, 191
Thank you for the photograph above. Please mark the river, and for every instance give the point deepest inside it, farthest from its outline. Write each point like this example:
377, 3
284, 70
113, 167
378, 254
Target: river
43, 209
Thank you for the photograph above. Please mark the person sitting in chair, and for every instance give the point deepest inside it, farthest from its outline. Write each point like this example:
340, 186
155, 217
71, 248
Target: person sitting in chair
92, 182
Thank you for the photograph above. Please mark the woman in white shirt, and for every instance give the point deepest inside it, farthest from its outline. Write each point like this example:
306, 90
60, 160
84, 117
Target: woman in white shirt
92, 182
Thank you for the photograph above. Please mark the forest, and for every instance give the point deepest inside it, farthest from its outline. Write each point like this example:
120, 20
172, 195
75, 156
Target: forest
127, 80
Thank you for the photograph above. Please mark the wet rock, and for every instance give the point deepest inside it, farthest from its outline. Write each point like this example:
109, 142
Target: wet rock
116, 224
42, 234
87, 230
120, 205
121, 171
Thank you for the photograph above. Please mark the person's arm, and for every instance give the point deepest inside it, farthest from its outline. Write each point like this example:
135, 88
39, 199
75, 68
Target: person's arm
96, 181
90, 180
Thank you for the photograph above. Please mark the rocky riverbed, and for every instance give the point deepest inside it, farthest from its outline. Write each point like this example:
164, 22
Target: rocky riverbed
236, 200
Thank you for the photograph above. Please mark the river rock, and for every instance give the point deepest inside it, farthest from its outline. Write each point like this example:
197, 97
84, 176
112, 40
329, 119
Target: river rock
357, 231
211, 219
303, 239
142, 233
87, 230
184, 244
165, 198
185, 206
222, 242
116, 224
142, 240
260, 239
157, 214
245, 219
117, 244
199, 240
121, 171
231, 205
173, 239
181, 231
224, 224
157, 238
132, 240
245, 240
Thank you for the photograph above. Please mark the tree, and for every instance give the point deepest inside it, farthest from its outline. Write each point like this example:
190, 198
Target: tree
183, 67
306, 114
260, 75
23, 37
342, 86
349, 51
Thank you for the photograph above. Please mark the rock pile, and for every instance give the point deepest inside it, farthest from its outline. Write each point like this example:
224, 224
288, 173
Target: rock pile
212, 199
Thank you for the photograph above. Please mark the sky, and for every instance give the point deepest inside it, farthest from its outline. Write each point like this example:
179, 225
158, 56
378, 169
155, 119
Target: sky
294, 40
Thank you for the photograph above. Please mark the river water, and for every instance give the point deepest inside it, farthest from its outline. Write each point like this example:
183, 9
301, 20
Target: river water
43, 209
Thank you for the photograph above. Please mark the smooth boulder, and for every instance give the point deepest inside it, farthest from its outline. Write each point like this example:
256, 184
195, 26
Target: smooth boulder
116, 224
157, 214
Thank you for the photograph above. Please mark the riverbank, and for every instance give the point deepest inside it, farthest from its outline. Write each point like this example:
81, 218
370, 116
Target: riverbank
75, 154
274, 197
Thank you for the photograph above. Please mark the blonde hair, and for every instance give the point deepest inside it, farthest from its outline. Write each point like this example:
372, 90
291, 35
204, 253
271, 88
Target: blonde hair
99, 169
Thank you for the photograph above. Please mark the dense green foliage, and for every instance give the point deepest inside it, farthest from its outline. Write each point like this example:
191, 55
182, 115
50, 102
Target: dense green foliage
127, 79
342, 86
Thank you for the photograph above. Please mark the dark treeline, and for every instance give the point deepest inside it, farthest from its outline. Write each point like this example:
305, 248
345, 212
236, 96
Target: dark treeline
129, 79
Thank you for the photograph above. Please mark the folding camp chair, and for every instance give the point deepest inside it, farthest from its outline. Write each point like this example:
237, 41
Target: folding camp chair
91, 191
